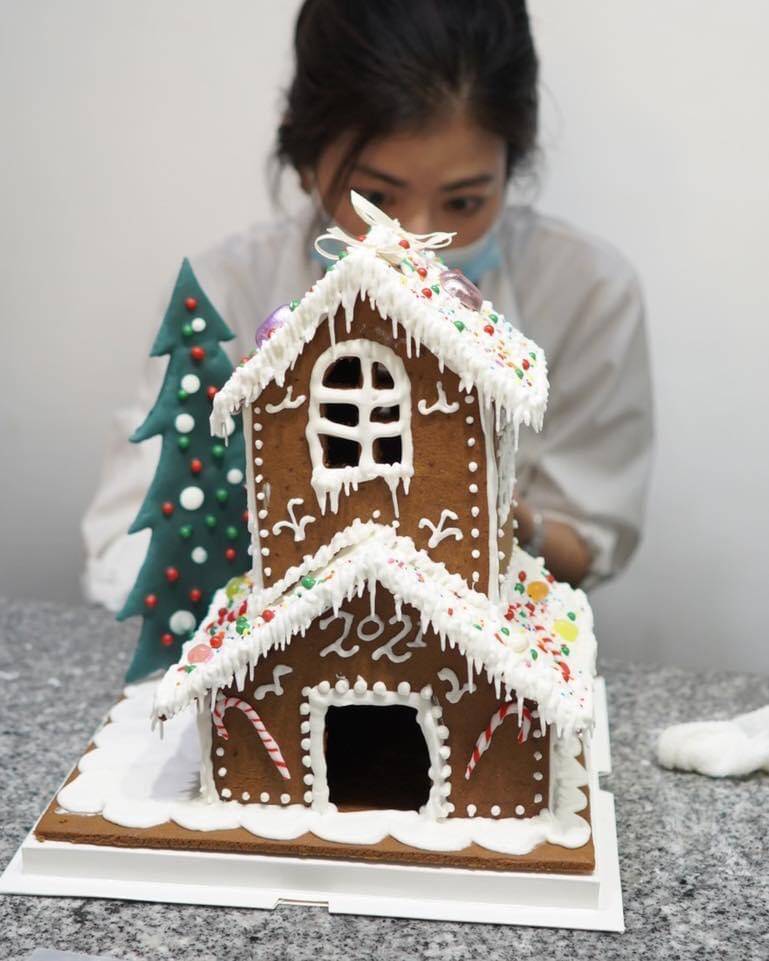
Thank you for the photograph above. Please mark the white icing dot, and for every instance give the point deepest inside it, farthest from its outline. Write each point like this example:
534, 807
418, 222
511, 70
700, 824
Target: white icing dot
442, 731
304, 744
258, 461
476, 577
471, 809
308, 778
495, 811
473, 488
220, 752
226, 792
376, 515
469, 399
520, 810
342, 685
198, 325
191, 498
470, 420
475, 510
199, 555
184, 423
404, 688
245, 796
471, 442
380, 688
181, 622
396, 524
257, 410
537, 798
264, 532
537, 733
472, 467
234, 475
308, 797
268, 572
257, 427
190, 383
475, 553
259, 478
304, 709
304, 727
229, 426
307, 760
261, 514
285, 798
265, 552
538, 755
538, 775
222, 771
258, 444
360, 686
324, 687
475, 532
426, 693
260, 497
264, 797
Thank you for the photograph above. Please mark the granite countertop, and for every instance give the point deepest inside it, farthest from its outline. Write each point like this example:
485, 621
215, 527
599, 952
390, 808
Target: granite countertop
693, 851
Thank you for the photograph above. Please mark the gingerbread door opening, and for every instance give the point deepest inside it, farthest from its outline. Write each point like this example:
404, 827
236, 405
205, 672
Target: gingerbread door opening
376, 758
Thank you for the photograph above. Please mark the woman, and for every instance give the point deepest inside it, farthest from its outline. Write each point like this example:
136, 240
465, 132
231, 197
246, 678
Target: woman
429, 108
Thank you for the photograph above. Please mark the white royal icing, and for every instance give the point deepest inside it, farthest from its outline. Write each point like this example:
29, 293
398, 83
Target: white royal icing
297, 527
288, 403
441, 404
439, 532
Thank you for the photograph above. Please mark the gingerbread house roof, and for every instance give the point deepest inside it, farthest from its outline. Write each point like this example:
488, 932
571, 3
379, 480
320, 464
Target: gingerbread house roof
538, 644
403, 278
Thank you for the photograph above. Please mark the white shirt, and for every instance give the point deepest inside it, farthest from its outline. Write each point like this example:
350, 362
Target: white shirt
573, 295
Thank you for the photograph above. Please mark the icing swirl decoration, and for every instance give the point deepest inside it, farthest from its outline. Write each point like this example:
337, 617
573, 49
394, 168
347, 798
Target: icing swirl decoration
386, 238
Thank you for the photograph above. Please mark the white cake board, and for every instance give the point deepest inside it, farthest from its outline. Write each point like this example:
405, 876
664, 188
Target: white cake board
591, 902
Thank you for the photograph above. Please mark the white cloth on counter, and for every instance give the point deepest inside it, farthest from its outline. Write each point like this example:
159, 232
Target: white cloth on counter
731, 748
573, 295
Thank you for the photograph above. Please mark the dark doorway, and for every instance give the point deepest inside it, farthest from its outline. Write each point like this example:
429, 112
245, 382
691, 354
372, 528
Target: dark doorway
376, 757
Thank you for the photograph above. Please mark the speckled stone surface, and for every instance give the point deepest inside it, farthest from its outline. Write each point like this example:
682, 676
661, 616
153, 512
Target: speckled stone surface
694, 853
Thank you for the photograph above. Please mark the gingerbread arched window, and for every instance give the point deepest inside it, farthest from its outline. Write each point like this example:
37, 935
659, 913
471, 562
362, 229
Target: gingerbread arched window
359, 425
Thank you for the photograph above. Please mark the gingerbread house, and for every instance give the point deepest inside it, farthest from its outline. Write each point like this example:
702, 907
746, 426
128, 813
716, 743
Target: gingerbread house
392, 655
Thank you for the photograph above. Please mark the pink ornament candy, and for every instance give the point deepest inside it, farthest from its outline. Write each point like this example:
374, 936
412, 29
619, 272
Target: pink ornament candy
274, 322
455, 282
199, 654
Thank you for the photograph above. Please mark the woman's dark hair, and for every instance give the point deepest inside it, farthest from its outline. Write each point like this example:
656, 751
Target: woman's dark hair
373, 67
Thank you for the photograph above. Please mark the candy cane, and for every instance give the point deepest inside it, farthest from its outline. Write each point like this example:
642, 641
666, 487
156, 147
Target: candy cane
223, 703
483, 742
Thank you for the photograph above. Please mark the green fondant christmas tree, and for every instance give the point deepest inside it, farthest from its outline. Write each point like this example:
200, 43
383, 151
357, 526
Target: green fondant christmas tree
196, 504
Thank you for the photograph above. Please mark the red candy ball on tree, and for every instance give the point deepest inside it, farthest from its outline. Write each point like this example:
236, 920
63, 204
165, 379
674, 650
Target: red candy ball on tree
230, 554
167, 508
195, 595
167, 640
198, 354
191, 303
172, 575
151, 601
196, 465
211, 392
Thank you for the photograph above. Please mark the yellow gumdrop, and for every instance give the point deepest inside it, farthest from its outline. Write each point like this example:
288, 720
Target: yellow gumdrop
566, 629
538, 590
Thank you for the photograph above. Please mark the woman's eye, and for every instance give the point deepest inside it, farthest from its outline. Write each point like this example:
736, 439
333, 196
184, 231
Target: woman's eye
465, 205
375, 197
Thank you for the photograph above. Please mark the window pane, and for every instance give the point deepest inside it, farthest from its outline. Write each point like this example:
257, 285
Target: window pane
344, 373
380, 377
340, 413
386, 415
388, 450
340, 452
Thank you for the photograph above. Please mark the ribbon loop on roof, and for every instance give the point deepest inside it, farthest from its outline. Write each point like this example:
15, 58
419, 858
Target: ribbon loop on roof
386, 236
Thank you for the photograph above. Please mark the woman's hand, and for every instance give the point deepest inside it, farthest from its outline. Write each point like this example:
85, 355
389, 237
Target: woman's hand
566, 555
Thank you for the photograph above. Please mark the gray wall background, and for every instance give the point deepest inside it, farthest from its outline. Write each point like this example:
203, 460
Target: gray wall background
134, 133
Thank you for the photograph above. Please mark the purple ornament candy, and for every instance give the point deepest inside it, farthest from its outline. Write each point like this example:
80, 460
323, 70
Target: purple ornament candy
274, 322
455, 282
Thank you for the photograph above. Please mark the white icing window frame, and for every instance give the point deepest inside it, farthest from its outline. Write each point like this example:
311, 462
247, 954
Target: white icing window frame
435, 733
329, 481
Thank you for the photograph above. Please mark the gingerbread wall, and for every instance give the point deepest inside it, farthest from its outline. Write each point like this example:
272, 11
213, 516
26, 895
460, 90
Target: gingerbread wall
510, 779
449, 463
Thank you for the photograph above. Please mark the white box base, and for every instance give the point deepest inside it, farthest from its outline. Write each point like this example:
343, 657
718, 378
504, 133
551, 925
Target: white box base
592, 902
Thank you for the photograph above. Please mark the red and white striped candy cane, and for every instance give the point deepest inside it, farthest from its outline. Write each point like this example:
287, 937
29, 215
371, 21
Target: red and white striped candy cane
483, 742
223, 703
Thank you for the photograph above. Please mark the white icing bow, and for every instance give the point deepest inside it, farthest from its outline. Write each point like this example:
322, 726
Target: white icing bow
385, 237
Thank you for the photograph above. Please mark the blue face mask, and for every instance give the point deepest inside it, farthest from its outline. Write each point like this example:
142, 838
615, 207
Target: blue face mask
477, 259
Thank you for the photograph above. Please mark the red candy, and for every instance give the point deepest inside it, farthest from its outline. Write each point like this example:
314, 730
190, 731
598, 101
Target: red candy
195, 595
196, 465
216, 640
404, 243
230, 554
427, 292
167, 640
151, 601
172, 575
167, 508
190, 303
422, 271
268, 615
489, 329
197, 354
211, 392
